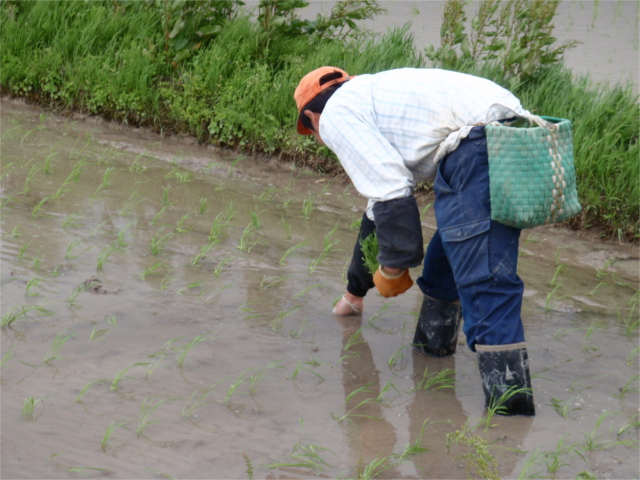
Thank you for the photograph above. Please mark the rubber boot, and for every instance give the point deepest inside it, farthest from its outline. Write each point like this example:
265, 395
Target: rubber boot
438, 327
504, 368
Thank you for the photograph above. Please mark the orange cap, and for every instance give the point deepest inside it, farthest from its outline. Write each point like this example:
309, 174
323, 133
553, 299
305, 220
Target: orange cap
309, 87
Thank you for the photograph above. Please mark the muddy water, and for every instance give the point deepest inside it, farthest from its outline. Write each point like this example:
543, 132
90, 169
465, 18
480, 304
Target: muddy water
226, 362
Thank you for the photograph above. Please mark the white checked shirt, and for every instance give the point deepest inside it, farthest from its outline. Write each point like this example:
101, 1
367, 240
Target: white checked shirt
390, 130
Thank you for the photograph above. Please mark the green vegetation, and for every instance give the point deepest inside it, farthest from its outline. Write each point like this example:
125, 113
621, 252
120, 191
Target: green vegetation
213, 70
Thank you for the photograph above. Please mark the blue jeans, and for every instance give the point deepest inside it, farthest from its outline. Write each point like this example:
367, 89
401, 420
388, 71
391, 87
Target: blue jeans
471, 257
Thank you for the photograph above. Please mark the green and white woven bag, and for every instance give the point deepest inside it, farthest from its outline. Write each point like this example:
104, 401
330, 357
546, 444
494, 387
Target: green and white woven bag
531, 172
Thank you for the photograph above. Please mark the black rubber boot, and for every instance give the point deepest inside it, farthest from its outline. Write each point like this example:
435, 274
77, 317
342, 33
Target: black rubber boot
438, 327
503, 369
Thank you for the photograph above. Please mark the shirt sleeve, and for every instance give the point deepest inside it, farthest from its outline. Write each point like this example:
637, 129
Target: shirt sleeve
376, 169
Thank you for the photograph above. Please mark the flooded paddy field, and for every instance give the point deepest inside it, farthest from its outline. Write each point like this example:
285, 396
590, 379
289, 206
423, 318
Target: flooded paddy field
166, 313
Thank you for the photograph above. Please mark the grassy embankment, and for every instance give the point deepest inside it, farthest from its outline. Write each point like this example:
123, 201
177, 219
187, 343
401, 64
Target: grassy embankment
236, 90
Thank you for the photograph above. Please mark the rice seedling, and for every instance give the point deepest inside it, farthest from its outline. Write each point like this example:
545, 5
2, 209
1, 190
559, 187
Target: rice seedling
122, 235
104, 256
98, 335
22, 250
387, 387
28, 407
111, 320
586, 475
180, 227
132, 202
34, 282
553, 459
182, 177
287, 226
255, 219
586, 344
268, 282
71, 301
29, 178
630, 386
36, 261
202, 253
249, 466
159, 356
369, 247
113, 426
233, 387
53, 352
120, 375
16, 232
218, 291
72, 220
165, 195
182, 351
276, 324
154, 269
192, 285
74, 176
7, 356
248, 239
376, 316
306, 456
563, 407
38, 207
18, 311
547, 303
424, 211
353, 340
139, 164
307, 206
29, 132
326, 250
230, 213
555, 280
302, 367
293, 333
198, 399
289, 251
398, 356
218, 270
203, 205
106, 180
445, 378
73, 244
631, 423
592, 438
478, 458
346, 415
46, 168
306, 290
159, 241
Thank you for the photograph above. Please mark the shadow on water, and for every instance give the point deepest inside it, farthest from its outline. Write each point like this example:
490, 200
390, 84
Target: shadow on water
167, 308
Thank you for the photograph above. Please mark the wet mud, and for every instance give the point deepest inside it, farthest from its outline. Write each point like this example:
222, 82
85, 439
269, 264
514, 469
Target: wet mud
166, 313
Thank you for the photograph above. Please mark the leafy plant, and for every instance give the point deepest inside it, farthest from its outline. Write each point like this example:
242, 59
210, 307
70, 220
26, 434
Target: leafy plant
516, 34
28, 407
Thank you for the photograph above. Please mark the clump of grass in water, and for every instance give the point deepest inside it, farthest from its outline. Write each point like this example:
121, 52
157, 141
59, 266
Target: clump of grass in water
442, 379
147, 409
327, 249
479, 457
113, 426
28, 408
57, 344
248, 240
182, 351
369, 247
18, 311
307, 206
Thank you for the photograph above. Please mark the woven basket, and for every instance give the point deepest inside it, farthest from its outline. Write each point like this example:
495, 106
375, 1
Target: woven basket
531, 173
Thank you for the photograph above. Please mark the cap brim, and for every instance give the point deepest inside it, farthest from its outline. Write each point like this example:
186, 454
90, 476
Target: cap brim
302, 130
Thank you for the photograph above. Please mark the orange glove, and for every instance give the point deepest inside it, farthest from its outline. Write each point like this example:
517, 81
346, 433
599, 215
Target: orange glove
392, 285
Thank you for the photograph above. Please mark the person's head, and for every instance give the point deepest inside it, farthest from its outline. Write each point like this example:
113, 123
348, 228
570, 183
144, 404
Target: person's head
313, 91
